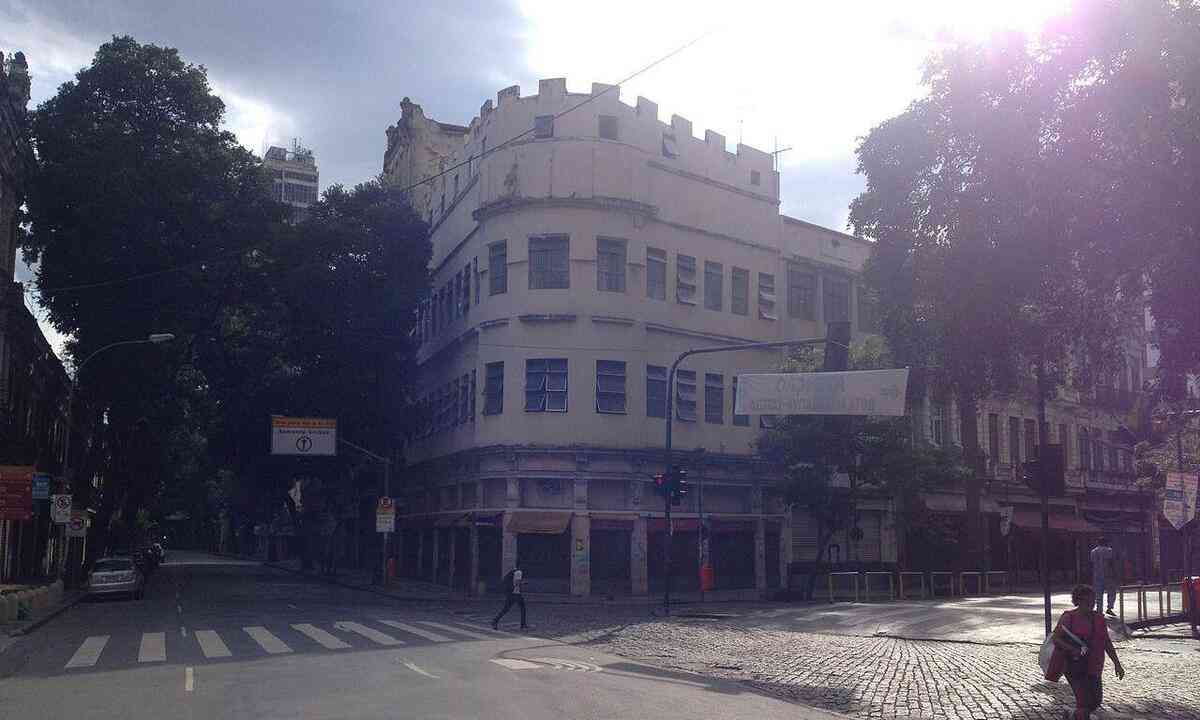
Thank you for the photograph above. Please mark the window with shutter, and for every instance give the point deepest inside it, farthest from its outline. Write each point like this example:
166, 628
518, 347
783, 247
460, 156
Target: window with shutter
493, 388
656, 391
543, 126
610, 265
714, 398
685, 279
610, 386
740, 291
546, 385
685, 395
656, 274
548, 263
498, 267
766, 296
608, 127
714, 285
802, 293
739, 420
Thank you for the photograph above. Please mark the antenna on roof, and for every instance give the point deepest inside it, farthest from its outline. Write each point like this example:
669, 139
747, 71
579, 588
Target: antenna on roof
775, 154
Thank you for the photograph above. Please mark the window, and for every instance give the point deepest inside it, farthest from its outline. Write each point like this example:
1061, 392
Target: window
455, 186
493, 388
1064, 440
548, 267
471, 416
668, 146
656, 391
1085, 449
498, 268
1014, 441
456, 309
610, 265
1113, 465
464, 399
546, 385
1135, 367
993, 438
937, 424
466, 289
443, 210
656, 274
802, 293
685, 279
543, 126
740, 288
610, 386
837, 299
739, 420
1031, 439
685, 395
714, 398
608, 127
1127, 461
755, 177
714, 285
475, 272
867, 319
766, 297
1097, 451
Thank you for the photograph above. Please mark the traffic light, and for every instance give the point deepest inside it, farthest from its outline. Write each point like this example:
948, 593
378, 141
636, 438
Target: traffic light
678, 486
660, 483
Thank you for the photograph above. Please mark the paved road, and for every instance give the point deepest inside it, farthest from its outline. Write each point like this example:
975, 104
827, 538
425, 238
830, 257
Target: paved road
217, 638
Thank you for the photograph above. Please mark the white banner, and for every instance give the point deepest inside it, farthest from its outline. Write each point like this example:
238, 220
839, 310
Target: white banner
303, 436
856, 392
1179, 499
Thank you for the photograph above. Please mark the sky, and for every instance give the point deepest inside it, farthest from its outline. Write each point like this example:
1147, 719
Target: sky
810, 76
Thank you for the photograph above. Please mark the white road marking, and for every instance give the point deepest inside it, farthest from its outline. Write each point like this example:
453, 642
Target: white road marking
369, 633
153, 647
323, 638
293, 607
417, 631
514, 664
460, 631
189, 680
212, 645
266, 640
89, 652
412, 666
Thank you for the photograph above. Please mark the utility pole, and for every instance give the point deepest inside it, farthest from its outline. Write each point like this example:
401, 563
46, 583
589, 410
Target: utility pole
668, 457
1043, 441
387, 492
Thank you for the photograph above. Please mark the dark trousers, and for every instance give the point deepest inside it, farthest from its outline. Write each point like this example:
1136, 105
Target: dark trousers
512, 599
1089, 692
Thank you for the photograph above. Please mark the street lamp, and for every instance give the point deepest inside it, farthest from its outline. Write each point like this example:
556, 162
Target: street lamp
151, 339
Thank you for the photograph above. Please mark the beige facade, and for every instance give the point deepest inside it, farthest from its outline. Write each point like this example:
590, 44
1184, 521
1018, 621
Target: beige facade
571, 266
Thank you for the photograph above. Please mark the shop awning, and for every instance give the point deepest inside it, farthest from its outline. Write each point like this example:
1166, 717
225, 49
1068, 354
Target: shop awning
950, 503
612, 520
538, 523
1032, 520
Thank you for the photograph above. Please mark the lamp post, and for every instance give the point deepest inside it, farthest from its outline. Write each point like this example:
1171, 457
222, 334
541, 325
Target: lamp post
151, 339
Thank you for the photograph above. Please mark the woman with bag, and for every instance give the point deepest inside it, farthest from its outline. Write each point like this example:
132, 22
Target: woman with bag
1080, 643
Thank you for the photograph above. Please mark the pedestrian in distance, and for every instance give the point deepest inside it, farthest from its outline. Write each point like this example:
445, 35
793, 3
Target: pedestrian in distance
1103, 575
1081, 641
512, 595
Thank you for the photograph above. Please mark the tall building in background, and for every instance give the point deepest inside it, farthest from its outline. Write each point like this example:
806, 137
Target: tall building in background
295, 178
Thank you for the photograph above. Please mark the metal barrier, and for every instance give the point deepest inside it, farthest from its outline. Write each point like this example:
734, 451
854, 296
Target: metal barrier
933, 586
891, 590
852, 575
989, 575
962, 582
909, 574
1161, 596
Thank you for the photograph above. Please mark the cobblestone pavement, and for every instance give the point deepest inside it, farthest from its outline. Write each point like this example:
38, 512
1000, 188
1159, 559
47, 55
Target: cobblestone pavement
876, 676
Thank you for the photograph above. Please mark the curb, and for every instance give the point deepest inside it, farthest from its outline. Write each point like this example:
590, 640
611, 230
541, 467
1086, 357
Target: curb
35, 624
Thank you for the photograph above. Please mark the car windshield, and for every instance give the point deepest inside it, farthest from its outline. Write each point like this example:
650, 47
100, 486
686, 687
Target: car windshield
113, 565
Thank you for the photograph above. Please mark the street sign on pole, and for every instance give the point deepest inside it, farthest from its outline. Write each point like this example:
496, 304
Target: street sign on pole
41, 486
16, 492
77, 526
854, 392
1179, 499
60, 508
303, 436
385, 515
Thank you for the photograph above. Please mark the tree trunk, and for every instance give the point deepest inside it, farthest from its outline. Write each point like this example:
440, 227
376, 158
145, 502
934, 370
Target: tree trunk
968, 408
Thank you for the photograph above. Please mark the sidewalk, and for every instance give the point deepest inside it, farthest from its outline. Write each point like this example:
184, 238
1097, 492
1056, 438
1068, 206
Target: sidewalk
42, 603
398, 588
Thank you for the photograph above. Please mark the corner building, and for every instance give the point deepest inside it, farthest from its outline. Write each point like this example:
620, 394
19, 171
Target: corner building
570, 267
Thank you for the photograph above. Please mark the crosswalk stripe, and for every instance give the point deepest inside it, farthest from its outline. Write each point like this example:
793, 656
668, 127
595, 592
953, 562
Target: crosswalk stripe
417, 631
460, 631
153, 647
212, 645
321, 637
369, 633
266, 640
488, 630
515, 664
89, 652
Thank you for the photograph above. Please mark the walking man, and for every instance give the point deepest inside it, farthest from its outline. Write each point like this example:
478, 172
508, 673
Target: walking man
1103, 575
512, 591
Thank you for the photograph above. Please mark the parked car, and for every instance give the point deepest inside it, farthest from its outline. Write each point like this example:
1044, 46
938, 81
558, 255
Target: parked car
117, 575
